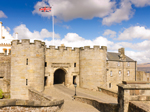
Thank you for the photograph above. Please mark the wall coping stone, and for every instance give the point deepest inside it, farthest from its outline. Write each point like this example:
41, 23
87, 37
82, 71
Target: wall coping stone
142, 107
29, 103
135, 86
109, 92
40, 94
135, 82
102, 106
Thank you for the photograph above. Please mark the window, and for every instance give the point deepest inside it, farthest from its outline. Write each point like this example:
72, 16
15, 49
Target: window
109, 85
5, 52
3, 37
110, 73
26, 81
128, 73
45, 64
9, 51
27, 61
118, 63
119, 72
74, 64
128, 64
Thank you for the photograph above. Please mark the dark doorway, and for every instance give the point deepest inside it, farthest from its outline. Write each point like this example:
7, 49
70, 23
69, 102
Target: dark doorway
59, 76
74, 79
45, 81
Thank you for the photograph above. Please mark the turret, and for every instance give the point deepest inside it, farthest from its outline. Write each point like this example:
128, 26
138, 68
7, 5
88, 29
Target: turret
27, 67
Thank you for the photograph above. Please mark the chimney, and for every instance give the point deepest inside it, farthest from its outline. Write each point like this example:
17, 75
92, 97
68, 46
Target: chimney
1, 30
122, 53
16, 36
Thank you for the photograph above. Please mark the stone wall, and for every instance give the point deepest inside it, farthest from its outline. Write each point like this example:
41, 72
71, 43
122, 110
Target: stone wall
102, 107
142, 76
109, 92
14, 105
138, 106
27, 67
38, 96
5, 71
92, 66
132, 91
119, 73
64, 58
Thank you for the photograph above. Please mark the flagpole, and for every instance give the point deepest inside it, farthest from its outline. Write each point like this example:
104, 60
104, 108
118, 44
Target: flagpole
53, 23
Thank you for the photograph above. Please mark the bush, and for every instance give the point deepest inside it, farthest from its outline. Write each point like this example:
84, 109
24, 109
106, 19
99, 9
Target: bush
1, 94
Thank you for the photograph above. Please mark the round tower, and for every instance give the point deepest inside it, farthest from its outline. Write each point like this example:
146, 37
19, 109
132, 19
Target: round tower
27, 67
92, 66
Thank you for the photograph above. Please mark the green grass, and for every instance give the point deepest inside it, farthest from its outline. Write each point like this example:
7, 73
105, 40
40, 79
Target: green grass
1, 94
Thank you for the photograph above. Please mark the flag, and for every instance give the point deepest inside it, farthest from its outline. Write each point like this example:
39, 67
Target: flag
45, 9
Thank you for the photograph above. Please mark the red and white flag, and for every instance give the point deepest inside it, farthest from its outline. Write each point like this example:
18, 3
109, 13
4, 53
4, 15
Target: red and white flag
45, 9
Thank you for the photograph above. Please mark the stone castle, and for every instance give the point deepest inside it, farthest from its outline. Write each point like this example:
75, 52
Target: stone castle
34, 65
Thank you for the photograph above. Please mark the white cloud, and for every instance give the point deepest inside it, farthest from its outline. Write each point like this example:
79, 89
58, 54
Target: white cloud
8, 29
66, 26
125, 12
135, 32
140, 51
2, 15
140, 57
25, 33
71, 9
109, 33
141, 3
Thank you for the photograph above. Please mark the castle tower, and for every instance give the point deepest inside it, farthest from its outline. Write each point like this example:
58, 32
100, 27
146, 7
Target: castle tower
27, 67
92, 66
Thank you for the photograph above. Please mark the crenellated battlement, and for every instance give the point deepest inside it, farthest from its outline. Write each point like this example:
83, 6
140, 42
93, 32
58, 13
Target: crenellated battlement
94, 48
27, 42
5, 44
63, 48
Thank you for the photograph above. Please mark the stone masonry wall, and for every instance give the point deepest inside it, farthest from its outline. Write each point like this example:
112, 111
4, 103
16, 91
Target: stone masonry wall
119, 71
62, 58
92, 67
5, 71
38, 96
102, 107
132, 91
142, 76
27, 67
138, 106
28, 109
14, 105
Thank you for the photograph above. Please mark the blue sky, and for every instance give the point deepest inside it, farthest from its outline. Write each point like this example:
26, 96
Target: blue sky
114, 23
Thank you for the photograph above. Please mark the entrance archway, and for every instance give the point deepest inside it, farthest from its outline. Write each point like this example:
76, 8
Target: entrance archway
59, 76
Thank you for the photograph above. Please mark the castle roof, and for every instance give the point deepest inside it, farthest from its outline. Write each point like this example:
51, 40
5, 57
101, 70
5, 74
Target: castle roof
111, 56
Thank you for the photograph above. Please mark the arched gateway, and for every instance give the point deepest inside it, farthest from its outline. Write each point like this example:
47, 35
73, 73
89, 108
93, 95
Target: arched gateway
59, 76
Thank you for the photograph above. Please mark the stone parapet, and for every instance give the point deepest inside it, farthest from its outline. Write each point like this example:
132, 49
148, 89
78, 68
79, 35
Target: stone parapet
38, 96
136, 106
15, 105
109, 92
132, 91
101, 106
